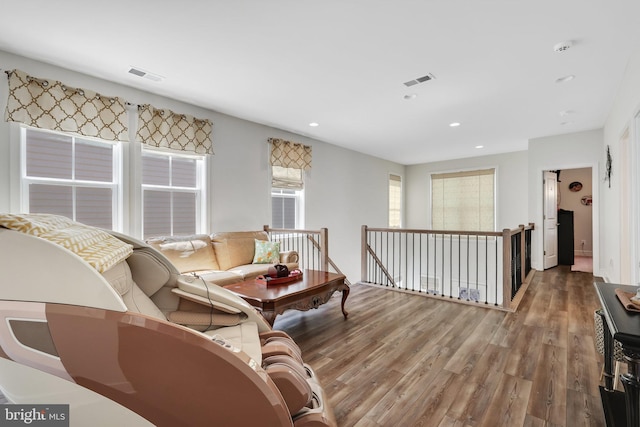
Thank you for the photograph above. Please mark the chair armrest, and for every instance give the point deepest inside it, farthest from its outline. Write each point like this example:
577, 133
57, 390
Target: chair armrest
288, 257
205, 319
206, 301
197, 290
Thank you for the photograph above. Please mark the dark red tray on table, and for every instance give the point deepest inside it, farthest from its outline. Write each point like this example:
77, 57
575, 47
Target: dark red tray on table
268, 280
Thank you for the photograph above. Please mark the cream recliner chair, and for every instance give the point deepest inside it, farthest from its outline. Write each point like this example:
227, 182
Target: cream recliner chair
128, 346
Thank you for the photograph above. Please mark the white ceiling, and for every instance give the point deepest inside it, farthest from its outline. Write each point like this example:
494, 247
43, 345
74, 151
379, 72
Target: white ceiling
342, 63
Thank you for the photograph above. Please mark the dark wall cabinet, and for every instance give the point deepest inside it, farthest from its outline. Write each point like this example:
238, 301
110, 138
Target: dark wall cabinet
565, 237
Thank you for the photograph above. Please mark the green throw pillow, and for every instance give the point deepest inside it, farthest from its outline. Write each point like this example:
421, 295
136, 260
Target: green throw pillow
266, 252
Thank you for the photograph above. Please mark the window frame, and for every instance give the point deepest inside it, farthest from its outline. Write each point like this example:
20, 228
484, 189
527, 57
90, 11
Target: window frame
298, 196
200, 189
400, 203
128, 173
116, 185
466, 172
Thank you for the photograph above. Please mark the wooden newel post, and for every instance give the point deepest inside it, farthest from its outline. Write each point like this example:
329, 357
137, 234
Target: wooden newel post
523, 259
363, 256
324, 249
506, 268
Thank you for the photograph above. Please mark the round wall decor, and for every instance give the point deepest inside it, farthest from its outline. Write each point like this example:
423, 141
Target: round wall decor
575, 186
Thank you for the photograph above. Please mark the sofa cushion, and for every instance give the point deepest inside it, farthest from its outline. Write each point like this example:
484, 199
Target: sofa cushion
236, 248
249, 271
221, 278
187, 253
266, 252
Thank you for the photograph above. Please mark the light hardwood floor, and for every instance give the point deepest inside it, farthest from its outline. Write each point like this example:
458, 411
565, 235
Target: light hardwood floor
403, 360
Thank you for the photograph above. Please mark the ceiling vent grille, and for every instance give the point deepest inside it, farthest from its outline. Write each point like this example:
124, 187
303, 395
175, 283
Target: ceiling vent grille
419, 80
145, 74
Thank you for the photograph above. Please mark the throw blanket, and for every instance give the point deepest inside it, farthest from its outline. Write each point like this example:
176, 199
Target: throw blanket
97, 247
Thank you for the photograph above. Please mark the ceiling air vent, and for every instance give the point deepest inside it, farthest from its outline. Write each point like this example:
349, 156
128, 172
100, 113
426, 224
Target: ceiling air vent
145, 74
420, 80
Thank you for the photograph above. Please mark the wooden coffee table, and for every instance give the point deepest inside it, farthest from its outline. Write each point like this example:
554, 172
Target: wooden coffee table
314, 289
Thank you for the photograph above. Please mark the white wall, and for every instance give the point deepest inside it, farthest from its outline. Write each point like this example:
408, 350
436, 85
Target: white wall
582, 214
621, 118
511, 198
573, 150
344, 189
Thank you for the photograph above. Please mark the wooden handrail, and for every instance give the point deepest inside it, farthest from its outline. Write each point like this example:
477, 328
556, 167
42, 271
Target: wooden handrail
454, 232
529, 226
510, 283
292, 230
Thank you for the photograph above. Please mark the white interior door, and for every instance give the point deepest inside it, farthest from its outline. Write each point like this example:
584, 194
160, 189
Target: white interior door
550, 219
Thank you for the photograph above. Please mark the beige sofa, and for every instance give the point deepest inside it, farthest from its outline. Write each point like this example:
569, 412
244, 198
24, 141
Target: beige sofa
221, 258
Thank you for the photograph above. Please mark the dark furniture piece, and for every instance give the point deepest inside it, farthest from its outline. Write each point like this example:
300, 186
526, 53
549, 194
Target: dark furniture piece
565, 237
315, 289
623, 326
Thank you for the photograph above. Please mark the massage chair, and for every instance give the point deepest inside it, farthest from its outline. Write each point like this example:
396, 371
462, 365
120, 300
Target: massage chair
129, 347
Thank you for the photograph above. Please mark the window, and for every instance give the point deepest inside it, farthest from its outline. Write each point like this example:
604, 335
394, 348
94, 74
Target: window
284, 208
395, 201
288, 162
286, 197
172, 192
463, 201
72, 176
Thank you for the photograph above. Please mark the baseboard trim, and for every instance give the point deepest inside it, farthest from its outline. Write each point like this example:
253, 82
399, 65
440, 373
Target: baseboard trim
582, 253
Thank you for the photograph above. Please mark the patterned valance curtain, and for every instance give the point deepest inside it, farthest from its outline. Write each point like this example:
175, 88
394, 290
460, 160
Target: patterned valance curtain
49, 104
166, 129
288, 161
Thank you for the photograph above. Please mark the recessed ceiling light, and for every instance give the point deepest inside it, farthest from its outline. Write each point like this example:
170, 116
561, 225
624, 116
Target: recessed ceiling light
565, 78
479, 146
410, 96
314, 124
454, 124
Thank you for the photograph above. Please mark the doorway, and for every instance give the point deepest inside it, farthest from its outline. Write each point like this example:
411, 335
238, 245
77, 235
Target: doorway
550, 218
575, 218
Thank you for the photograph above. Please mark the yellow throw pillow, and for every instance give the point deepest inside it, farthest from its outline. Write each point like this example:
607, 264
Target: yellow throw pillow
266, 252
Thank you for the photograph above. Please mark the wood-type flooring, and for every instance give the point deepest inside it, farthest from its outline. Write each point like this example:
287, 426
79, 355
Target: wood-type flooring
405, 360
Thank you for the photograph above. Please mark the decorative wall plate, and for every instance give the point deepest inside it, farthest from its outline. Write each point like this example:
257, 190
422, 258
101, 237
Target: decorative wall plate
575, 186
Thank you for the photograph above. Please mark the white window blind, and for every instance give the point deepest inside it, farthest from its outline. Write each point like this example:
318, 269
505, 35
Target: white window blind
71, 176
284, 209
172, 190
395, 201
463, 201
